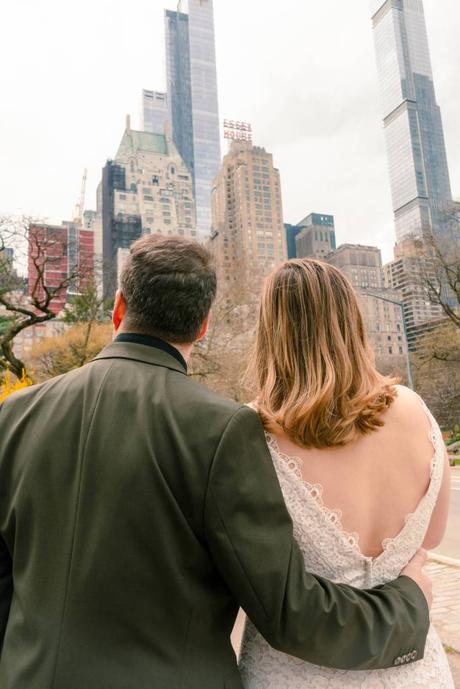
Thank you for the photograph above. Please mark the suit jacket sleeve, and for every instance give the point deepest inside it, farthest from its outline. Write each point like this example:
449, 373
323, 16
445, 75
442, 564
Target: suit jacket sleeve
6, 581
250, 536
6, 589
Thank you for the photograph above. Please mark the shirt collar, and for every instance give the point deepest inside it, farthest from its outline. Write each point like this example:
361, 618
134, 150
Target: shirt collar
150, 341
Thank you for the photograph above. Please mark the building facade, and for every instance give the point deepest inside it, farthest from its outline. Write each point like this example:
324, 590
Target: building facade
416, 150
193, 100
60, 260
146, 189
381, 307
361, 264
154, 112
316, 238
406, 273
248, 230
291, 233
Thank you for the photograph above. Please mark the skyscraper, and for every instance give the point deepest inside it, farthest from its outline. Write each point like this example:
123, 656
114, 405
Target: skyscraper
154, 111
192, 92
249, 237
419, 174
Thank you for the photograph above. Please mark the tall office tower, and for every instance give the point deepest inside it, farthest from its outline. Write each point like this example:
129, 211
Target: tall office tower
419, 174
193, 103
316, 238
154, 111
59, 252
381, 307
146, 189
248, 232
407, 273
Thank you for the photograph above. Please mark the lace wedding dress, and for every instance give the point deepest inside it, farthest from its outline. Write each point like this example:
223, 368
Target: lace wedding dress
331, 552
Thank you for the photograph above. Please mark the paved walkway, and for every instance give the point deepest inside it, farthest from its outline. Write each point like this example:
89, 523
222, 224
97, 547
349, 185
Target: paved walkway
445, 612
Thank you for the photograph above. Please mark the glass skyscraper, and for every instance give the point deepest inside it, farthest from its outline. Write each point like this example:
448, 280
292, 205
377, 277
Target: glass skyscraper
419, 174
192, 92
154, 111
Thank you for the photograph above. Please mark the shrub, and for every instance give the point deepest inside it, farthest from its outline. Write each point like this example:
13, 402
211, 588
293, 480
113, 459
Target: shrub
9, 385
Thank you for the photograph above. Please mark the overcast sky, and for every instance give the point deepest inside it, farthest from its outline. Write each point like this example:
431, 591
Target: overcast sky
301, 71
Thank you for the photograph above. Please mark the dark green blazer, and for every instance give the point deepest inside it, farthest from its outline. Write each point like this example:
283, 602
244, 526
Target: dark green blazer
138, 510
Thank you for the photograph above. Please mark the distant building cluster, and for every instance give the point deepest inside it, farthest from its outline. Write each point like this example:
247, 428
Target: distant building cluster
168, 178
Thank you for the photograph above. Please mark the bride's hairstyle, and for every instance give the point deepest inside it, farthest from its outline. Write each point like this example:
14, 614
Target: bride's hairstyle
314, 368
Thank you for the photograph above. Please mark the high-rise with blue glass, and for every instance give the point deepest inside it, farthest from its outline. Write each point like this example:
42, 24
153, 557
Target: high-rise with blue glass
419, 174
193, 103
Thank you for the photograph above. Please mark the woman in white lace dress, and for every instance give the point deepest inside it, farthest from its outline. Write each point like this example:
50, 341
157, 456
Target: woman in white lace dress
361, 462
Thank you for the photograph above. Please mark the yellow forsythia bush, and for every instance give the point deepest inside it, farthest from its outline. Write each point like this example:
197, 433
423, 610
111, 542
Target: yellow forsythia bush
8, 385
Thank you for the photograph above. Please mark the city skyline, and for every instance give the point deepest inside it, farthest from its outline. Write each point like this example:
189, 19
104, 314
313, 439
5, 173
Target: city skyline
286, 87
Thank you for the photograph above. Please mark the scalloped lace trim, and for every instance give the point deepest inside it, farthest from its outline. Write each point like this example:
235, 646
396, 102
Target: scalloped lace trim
334, 516
316, 490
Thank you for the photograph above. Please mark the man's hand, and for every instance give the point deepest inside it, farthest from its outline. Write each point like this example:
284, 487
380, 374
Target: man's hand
414, 570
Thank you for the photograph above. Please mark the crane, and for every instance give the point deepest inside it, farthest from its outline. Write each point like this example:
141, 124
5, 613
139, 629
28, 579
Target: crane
80, 205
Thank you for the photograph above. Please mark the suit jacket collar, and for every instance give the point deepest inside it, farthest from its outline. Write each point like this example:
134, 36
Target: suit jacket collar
143, 353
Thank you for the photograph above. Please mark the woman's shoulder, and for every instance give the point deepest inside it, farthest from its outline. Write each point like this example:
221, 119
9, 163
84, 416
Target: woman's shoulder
409, 411
408, 399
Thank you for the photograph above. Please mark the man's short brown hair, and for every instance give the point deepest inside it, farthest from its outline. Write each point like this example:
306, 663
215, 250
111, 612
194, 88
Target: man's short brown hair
169, 285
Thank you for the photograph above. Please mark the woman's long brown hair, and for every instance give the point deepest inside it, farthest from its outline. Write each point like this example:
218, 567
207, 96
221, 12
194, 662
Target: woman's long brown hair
313, 365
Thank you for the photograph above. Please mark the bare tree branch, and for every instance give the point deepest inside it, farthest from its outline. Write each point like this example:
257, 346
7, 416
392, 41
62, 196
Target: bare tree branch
44, 248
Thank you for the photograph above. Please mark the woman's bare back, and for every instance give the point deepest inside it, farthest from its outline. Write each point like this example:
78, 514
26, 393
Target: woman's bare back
380, 478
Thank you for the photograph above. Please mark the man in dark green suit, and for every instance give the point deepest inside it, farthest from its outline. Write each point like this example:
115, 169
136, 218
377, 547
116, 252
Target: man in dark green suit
138, 510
